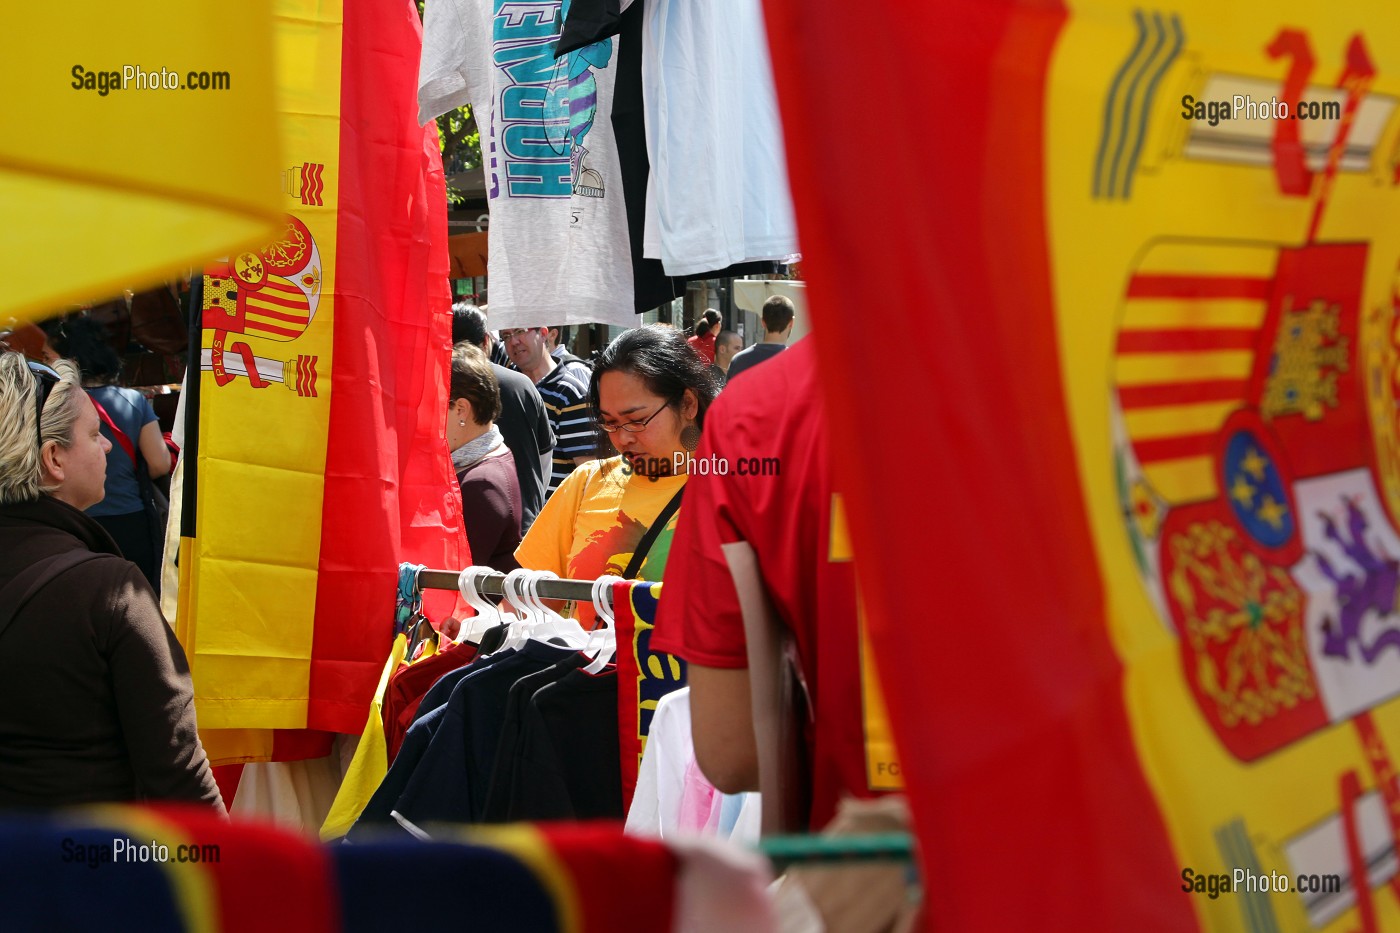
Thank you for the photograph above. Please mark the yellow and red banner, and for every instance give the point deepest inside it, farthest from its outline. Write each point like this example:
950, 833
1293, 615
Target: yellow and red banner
318, 411
187, 869
135, 141
1146, 636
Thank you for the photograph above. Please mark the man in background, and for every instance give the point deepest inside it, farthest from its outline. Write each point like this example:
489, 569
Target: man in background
524, 423
727, 344
563, 388
778, 315
558, 345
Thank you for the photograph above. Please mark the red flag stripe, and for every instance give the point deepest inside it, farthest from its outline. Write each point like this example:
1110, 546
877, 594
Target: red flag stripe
1181, 393
299, 303
1006, 764
1174, 448
390, 494
1199, 286
270, 329
273, 285
1168, 341
261, 311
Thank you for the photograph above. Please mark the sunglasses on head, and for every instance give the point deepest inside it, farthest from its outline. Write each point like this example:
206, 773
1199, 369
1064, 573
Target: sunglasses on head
45, 380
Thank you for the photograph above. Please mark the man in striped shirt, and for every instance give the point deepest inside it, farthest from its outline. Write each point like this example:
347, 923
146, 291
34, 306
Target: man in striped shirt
564, 390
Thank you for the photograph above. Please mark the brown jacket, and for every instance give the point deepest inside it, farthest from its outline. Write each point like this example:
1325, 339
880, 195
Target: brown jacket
96, 702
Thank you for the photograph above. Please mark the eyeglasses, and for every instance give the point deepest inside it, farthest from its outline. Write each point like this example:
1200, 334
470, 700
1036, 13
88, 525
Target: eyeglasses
46, 379
634, 427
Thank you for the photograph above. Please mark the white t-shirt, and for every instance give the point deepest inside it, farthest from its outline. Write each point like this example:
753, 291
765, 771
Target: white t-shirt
718, 191
557, 245
672, 795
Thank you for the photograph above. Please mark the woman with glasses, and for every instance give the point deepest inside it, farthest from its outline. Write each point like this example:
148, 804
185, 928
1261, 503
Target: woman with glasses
648, 397
96, 703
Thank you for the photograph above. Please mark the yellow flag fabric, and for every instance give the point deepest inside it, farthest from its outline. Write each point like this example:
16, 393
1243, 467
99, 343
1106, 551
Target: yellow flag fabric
1154, 252
315, 459
1238, 461
135, 142
881, 756
371, 760
263, 403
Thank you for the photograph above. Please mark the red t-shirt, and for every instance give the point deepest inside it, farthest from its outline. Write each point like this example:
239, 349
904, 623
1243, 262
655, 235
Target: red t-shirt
787, 518
705, 346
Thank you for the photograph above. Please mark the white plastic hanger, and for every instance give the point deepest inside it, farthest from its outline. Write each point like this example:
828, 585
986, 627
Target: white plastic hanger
513, 587
488, 615
604, 637
550, 624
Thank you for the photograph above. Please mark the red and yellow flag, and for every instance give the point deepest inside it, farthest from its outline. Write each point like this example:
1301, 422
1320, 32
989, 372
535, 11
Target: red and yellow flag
1136, 272
318, 444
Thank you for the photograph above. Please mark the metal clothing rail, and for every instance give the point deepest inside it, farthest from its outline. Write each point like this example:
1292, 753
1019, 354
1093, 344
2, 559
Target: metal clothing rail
784, 851
490, 585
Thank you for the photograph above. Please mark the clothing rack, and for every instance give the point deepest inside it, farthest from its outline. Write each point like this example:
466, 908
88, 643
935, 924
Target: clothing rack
782, 851
490, 585
785, 851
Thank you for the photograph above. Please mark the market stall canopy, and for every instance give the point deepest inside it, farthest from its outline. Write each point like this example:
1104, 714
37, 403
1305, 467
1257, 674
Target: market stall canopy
135, 141
468, 255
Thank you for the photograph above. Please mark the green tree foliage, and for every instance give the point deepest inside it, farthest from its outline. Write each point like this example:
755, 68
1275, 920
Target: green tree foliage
461, 145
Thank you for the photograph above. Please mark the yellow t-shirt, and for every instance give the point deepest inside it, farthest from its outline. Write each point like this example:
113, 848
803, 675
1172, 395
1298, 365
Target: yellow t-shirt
595, 520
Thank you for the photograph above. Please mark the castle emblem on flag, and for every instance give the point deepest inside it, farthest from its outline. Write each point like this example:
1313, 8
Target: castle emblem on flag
1308, 355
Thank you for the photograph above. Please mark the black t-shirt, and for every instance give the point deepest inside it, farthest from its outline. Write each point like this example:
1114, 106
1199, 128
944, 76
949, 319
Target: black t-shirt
450, 783
568, 766
498, 797
525, 427
432, 711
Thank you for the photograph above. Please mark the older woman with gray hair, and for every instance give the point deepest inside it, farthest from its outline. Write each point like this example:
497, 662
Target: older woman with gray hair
96, 703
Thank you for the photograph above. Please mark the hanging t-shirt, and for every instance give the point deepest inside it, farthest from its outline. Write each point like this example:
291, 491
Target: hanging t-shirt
792, 521
408, 686
706, 76
503, 773
567, 760
651, 285
594, 522
451, 781
557, 240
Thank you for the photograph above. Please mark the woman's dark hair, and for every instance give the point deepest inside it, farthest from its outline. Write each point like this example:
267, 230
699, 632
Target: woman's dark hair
84, 341
659, 356
474, 380
703, 327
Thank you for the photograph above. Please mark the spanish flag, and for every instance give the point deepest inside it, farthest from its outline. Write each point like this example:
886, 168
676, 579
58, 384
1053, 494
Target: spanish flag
317, 395
1136, 270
